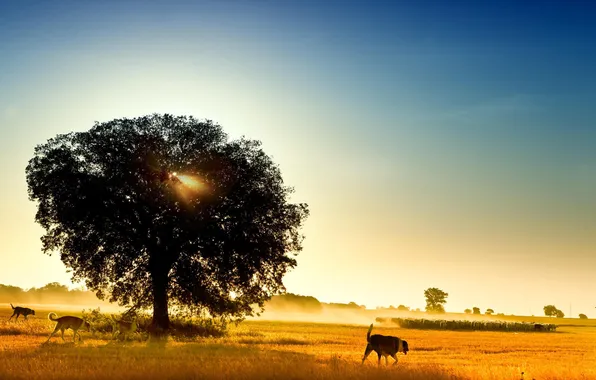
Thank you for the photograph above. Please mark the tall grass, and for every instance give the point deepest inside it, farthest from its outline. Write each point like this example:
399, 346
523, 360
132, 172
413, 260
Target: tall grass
274, 350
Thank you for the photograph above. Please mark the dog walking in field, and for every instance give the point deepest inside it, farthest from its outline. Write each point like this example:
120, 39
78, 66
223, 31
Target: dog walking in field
24, 311
123, 327
69, 322
384, 345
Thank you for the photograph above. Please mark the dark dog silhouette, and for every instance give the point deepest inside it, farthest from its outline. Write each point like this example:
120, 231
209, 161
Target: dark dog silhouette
384, 345
24, 311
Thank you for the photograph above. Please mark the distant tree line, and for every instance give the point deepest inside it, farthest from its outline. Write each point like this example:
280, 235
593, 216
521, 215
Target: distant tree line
293, 302
307, 304
476, 310
50, 293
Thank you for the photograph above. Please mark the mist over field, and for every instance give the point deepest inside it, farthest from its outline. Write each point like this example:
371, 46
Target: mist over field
285, 307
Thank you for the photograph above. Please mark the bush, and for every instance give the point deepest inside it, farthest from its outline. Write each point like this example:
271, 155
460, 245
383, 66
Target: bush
99, 322
182, 327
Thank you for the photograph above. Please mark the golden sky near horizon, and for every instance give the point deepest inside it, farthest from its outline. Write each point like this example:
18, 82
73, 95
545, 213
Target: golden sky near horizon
420, 169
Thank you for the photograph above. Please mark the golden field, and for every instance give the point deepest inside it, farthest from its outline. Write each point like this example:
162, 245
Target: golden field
297, 350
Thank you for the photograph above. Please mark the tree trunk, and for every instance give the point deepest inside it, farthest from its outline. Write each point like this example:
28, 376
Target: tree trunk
161, 318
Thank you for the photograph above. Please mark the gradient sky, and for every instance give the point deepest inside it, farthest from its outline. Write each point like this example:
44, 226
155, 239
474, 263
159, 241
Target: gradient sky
438, 144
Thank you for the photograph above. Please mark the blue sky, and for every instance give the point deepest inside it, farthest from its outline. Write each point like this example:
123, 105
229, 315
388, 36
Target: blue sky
447, 143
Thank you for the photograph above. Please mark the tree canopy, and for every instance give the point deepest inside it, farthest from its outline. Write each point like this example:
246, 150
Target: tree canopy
552, 311
435, 298
161, 209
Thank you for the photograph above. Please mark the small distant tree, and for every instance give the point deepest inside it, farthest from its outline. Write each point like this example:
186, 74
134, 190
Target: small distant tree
489, 312
435, 298
550, 310
403, 308
583, 316
559, 314
468, 311
475, 310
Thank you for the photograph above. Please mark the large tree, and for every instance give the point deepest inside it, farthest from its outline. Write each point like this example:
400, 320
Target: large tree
159, 209
435, 298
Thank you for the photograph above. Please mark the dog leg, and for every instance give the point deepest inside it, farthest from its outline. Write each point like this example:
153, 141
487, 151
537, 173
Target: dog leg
394, 356
13, 314
379, 361
63, 335
50, 337
53, 332
367, 352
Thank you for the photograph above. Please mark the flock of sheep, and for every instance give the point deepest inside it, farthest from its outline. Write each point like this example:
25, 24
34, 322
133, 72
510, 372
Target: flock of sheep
470, 325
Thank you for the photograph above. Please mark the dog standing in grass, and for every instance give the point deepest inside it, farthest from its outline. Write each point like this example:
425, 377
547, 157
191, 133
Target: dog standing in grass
123, 327
68, 322
384, 345
24, 311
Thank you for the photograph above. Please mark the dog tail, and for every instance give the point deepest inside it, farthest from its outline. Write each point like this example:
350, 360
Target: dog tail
12, 306
52, 318
368, 333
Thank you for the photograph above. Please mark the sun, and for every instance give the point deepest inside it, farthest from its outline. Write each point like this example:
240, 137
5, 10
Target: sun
189, 181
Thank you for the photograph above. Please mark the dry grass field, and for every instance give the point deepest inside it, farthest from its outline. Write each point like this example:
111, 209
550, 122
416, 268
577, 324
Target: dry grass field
294, 350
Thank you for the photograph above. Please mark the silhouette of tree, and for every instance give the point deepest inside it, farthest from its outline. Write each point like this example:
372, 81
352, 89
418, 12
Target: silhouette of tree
489, 312
583, 316
551, 310
161, 210
435, 298
476, 310
403, 308
560, 314
468, 311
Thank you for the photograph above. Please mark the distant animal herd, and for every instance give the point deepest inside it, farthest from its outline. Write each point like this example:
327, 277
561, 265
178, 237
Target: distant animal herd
468, 325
